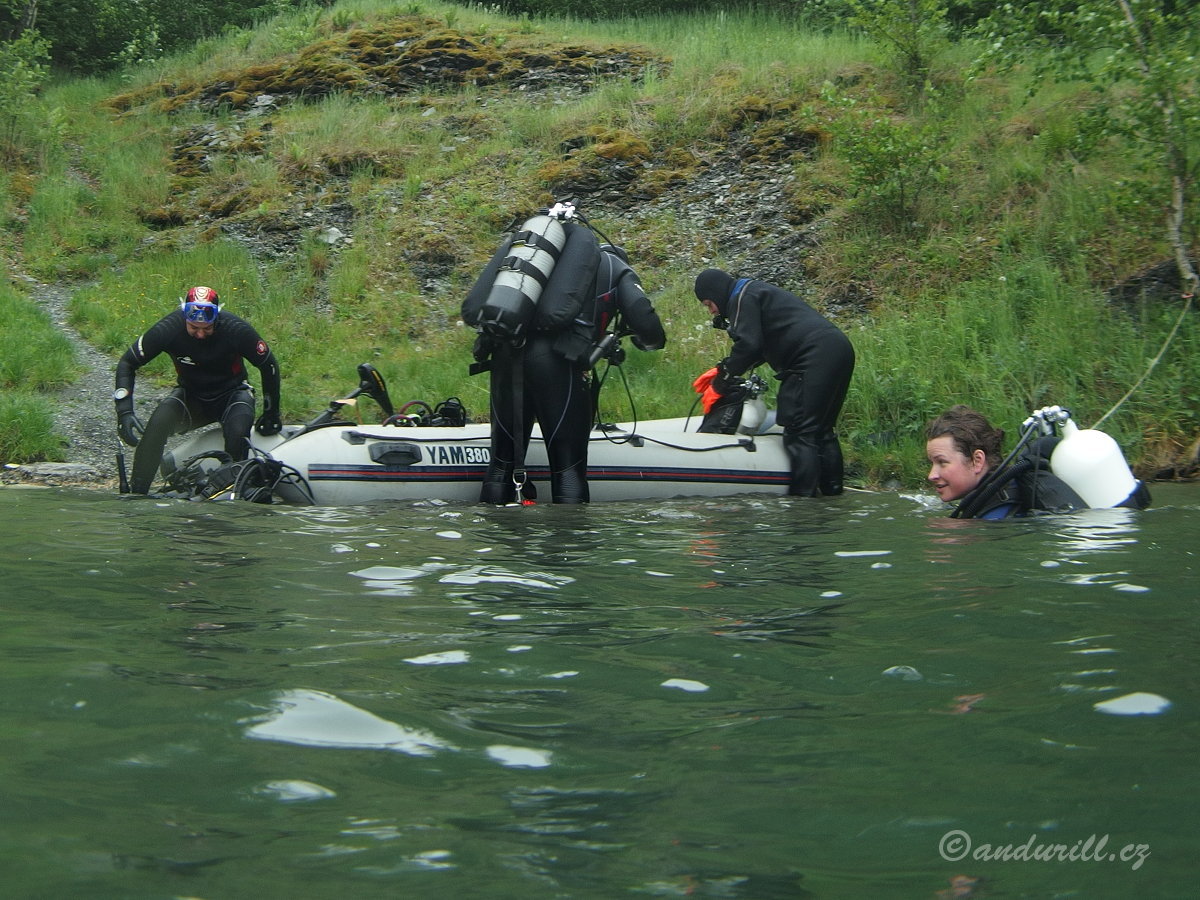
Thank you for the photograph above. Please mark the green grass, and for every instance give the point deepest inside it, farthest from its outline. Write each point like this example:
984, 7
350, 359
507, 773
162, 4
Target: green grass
34, 355
986, 288
27, 429
35, 359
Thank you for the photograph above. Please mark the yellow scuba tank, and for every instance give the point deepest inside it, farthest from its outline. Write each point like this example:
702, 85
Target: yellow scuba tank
1092, 465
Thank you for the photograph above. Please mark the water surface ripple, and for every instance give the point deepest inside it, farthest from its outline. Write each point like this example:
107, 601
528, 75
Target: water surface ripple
743, 698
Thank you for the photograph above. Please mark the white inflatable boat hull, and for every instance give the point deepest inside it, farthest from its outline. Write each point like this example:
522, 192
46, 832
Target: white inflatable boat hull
347, 464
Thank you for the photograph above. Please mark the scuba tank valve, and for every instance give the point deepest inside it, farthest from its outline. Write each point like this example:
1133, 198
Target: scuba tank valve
754, 410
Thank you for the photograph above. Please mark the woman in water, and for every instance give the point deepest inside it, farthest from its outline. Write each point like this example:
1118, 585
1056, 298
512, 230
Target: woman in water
965, 464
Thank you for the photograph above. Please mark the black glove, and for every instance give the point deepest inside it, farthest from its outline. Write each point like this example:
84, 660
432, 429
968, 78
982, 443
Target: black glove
130, 427
723, 382
269, 423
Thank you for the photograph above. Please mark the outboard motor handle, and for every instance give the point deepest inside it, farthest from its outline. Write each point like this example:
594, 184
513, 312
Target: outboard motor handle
372, 384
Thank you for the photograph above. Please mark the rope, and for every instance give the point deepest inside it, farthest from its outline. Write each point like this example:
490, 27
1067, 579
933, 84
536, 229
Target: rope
1154, 362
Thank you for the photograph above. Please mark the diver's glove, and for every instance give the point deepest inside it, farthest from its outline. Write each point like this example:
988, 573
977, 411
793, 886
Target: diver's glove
129, 426
269, 423
722, 381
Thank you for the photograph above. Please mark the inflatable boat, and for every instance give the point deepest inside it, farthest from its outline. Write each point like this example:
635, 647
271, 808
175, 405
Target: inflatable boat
424, 453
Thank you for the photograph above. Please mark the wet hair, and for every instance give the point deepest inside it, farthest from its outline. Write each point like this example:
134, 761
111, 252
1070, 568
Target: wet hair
970, 431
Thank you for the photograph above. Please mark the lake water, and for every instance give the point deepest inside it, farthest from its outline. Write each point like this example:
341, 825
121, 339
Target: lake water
743, 698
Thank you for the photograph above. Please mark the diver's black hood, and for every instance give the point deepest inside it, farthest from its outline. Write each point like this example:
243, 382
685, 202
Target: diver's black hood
715, 285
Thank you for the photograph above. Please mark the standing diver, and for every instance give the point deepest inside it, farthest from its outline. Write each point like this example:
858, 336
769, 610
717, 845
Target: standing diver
207, 346
541, 373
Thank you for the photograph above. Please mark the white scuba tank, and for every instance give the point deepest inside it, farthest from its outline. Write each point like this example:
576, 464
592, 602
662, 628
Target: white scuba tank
1093, 466
754, 411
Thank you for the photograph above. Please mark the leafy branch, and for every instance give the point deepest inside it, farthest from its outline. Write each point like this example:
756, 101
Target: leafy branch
1140, 57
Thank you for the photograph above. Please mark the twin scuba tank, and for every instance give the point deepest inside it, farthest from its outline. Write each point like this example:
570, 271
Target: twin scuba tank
538, 280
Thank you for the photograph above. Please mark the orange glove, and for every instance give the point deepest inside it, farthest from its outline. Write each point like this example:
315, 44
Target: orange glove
701, 384
703, 387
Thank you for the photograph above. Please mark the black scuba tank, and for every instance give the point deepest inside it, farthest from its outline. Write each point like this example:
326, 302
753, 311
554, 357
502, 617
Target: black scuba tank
573, 281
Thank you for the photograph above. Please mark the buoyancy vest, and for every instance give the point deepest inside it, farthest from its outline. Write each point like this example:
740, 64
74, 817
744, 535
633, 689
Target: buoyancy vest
578, 340
1028, 485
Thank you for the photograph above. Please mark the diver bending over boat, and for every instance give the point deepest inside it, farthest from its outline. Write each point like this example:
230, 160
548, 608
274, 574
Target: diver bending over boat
813, 360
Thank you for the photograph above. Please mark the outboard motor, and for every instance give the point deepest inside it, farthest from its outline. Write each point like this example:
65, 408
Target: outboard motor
371, 383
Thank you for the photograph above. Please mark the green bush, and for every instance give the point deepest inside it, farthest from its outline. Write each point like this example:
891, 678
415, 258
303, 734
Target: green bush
23, 68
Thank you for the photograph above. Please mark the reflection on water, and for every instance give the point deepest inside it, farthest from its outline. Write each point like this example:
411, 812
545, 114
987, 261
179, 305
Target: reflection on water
748, 698
317, 719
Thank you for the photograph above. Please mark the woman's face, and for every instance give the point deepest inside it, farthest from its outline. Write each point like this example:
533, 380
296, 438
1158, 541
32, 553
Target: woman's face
952, 474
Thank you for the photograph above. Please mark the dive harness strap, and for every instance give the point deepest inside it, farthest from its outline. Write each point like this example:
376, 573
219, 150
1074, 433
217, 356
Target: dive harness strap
997, 479
519, 474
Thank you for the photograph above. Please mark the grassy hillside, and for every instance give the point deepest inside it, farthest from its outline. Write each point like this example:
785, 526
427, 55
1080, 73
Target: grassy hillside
341, 175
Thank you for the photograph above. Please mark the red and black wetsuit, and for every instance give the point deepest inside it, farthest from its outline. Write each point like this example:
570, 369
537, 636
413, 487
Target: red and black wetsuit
211, 386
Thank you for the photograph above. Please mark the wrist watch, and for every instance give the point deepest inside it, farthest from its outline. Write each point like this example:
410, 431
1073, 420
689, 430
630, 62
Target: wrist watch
120, 393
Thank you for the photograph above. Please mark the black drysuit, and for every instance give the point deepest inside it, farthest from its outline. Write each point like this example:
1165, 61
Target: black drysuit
813, 360
548, 374
210, 386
